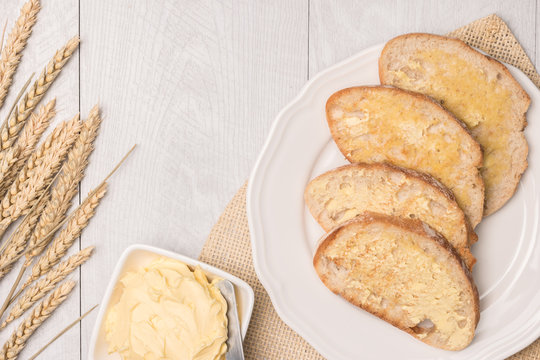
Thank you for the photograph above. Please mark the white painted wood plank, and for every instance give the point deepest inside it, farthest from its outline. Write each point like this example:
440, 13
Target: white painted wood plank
57, 22
196, 85
536, 58
341, 29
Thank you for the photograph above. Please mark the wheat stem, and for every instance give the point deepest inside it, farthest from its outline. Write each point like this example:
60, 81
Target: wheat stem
3, 33
66, 329
16, 42
47, 283
11, 291
21, 92
41, 312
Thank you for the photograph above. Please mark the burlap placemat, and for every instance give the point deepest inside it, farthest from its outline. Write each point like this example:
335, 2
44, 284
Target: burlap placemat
229, 248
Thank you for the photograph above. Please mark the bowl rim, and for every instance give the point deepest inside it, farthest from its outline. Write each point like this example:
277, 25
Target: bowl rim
208, 269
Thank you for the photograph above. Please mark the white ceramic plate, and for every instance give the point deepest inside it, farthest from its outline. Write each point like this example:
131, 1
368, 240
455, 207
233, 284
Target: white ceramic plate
284, 235
137, 256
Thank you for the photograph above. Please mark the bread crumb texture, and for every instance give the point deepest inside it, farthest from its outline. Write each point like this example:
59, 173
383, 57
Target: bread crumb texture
381, 124
478, 90
342, 194
386, 271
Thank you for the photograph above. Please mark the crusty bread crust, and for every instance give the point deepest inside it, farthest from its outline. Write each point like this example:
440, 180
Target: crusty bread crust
497, 194
475, 210
411, 225
423, 178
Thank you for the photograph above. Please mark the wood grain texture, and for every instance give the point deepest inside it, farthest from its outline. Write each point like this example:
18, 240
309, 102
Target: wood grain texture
338, 31
536, 58
197, 86
57, 22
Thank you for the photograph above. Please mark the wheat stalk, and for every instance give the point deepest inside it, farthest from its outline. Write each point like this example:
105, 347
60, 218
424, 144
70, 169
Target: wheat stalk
46, 284
33, 96
67, 185
68, 235
62, 332
3, 33
41, 312
16, 42
37, 173
26, 144
17, 242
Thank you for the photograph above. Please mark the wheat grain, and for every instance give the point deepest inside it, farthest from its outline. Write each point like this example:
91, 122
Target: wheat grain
41, 312
68, 235
35, 127
17, 242
16, 42
30, 135
33, 96
47, 283
33, 130
37, 173
67, 185
11, 156
26, 144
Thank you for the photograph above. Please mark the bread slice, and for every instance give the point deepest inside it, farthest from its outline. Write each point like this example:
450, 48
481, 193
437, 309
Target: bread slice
342, 194
385, 124
404, 272
479, 90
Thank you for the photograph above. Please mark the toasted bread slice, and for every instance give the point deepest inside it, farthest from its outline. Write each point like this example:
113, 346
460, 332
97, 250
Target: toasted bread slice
385, 124
342, 194
479, 90
404, 272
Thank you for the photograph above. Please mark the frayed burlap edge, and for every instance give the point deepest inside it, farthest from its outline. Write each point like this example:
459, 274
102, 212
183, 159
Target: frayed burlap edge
492, 35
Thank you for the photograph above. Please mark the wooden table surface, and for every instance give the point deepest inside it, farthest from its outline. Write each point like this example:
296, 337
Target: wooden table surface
197, 84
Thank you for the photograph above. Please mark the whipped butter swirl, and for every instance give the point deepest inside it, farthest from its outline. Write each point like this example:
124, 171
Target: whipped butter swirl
166, 311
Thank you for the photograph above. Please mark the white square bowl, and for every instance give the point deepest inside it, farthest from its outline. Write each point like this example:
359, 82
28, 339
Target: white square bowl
137, 256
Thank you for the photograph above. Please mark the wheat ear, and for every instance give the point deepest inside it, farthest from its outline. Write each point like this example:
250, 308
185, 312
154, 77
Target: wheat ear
71, 218
16, 42
26, 144
46, 284
33, 96
18, 241
7, 162
41, 312
67, 185
67, 236
36, 126
37, 173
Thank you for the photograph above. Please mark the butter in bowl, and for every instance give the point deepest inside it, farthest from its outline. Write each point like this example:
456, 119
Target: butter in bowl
160, 304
